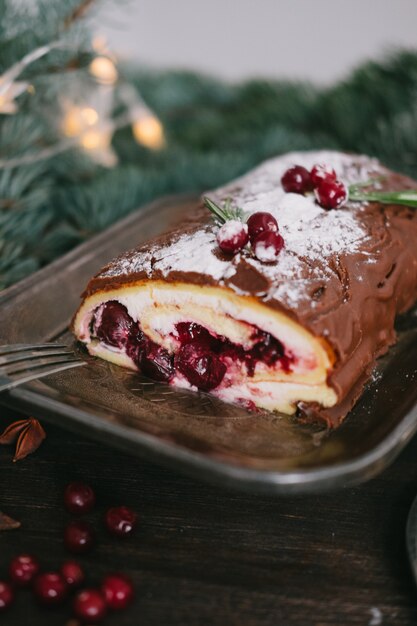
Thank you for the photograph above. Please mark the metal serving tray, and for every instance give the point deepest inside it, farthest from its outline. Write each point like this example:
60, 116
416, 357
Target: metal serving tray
194, 432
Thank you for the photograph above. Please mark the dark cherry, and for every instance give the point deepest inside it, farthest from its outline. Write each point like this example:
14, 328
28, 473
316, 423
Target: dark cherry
79, 537
90, 606
121, 521
201, 368
112, 324
6, 595
321, 172
23, 569
267, 246
50, 588
260, 222
232, 236
331, 194
297, 180
269, 349
72, 573
190, 332
118, 591
79, 498
156, 362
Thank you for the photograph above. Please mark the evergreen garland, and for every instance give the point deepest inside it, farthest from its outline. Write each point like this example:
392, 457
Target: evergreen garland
214, 130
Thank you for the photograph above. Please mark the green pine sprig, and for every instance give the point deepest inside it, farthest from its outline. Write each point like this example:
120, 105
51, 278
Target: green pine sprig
224, 213
407, 197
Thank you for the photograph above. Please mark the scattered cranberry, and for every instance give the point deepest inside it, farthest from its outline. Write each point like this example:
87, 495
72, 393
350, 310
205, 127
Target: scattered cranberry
201, 368
297, 180
267, 246
79, 498
6, 595
156, 362
331, 194
261, 222
79, 537
232, 236
321, 172
50, 588
90, 606
112, 324
72, 573
23, 569
121, 520
118, 591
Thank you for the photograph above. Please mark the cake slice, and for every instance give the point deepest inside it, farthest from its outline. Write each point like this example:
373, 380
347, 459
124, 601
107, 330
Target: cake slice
299, 331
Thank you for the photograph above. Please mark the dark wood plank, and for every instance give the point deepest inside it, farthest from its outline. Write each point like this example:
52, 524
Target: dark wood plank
206, 556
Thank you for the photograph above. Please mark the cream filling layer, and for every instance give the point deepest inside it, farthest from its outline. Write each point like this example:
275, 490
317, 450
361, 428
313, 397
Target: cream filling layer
159, 306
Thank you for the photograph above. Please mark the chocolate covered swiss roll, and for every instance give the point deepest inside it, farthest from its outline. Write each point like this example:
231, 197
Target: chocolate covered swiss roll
293, 317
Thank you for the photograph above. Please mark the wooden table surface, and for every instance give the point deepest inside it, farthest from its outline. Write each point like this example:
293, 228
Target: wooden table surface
205, 556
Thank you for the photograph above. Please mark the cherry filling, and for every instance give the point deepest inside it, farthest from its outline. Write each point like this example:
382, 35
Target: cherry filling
202, 357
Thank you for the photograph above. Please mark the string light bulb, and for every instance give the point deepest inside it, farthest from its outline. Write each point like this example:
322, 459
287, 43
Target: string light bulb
149, 132
104, 70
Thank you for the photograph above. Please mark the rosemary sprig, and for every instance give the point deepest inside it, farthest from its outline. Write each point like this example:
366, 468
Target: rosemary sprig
408, 197
226, 212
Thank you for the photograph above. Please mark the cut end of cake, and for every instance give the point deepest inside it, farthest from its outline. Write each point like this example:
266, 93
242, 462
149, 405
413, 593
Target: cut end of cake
209, 339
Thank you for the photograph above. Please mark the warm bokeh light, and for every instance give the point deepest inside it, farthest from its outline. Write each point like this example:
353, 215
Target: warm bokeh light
77, 119
104, 70
149, 132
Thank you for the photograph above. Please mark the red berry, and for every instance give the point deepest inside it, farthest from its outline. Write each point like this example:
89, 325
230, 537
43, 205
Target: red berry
267, 246
120, 520
261, 222
297, 180
201, 367
118, 591
50, 588
232, 236
321, 172
23, 569
79, 537
79, 498
112, 324
156, 362
72, 573
90, 606
331, 194
6, 595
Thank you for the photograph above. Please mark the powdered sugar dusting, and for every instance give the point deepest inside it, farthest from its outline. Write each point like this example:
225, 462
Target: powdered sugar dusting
311, 234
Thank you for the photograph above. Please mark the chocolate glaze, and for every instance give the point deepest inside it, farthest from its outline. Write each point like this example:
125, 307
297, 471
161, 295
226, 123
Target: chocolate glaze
350, 297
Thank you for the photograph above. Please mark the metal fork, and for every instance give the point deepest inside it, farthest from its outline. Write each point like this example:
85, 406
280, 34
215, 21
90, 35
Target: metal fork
20, 363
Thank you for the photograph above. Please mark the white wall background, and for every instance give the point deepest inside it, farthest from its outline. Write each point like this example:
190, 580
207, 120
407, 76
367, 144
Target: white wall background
314, 39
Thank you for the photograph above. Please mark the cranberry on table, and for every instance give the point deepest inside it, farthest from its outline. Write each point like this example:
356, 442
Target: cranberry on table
23, 569
72, 573
50, 588
331, 194
267, 246
232, 236
79, 537
79, 498
121, 521
118, 591
297, 179
321, 172
90, 606
6, 595
261, 222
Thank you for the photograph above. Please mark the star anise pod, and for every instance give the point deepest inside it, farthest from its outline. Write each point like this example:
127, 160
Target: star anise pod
29, 435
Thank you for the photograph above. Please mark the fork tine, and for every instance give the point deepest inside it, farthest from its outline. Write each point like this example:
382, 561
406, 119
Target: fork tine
26, 355
39, 373
14, 368
18, 347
